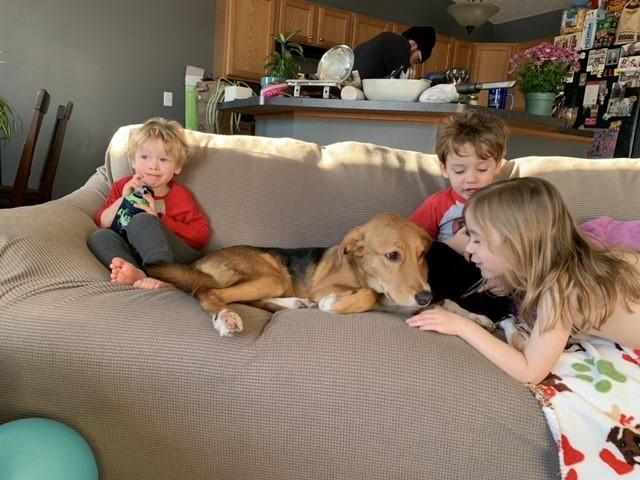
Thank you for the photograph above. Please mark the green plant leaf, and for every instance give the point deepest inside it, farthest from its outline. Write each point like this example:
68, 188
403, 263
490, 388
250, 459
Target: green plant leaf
283, 61
7, 119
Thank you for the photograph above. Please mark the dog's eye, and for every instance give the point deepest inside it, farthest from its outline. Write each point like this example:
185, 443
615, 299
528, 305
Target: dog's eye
393, 256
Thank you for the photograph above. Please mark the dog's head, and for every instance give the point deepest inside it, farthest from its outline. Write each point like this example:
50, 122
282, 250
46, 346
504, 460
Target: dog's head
388, 253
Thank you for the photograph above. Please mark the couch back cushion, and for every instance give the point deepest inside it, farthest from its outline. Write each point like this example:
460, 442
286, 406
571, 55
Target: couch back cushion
591, 187
290, 193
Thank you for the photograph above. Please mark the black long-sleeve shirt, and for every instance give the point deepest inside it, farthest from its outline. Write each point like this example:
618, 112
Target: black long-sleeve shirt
381, 55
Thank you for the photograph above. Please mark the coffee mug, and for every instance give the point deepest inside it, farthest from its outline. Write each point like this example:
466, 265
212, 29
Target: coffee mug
498, 98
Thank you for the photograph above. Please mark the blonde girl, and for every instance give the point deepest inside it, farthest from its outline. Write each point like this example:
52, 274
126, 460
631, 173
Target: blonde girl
522, 234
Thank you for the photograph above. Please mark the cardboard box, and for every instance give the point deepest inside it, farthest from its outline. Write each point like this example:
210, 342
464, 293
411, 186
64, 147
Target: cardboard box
589, 30
572, 20
629, 23
606, 32
572, 41
192, 76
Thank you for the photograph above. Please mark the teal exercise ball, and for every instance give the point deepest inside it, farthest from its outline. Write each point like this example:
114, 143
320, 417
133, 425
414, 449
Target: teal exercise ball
43, 449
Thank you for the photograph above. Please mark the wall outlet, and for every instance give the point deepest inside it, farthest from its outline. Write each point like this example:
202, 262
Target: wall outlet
167, 99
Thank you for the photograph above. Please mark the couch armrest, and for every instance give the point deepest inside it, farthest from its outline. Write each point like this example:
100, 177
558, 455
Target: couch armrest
43, 247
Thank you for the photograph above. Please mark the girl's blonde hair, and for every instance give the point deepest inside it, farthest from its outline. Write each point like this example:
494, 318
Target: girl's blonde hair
487, 134
170, 132
548, 257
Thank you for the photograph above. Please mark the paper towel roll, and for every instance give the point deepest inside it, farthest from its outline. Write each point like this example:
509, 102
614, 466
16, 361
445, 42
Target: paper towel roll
351, 93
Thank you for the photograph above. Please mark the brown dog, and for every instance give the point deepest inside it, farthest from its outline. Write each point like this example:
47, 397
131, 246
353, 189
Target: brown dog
378, 264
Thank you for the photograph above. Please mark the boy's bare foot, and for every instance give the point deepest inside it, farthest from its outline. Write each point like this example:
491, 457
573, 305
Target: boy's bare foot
125, 272
150, 283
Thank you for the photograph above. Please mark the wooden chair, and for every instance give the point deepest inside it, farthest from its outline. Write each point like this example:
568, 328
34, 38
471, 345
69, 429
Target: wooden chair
14, 196
43, 193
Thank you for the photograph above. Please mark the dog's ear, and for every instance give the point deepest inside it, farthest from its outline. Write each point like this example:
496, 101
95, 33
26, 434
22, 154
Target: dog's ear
353, 242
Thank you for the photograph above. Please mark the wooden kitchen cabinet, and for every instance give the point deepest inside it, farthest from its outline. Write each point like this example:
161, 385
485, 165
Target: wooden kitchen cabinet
462, 54
365, 28
297, 16
491, 64
318, 26
244, 33
441, 58
334, 27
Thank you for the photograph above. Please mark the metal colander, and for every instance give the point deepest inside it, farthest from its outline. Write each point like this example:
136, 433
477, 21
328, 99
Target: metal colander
336, 64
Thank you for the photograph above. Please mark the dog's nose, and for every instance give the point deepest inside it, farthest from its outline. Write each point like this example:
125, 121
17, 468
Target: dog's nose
424, 297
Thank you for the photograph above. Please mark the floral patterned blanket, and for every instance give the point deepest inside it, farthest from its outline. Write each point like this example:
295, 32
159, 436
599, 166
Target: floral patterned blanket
591, 401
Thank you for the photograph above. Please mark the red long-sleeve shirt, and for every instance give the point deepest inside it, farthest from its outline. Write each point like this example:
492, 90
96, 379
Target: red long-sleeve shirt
180, 212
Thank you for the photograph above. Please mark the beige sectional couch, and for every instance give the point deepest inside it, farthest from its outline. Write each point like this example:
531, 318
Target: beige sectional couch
301, 394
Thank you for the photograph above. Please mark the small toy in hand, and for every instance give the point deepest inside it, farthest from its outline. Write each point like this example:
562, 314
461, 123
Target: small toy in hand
129, 208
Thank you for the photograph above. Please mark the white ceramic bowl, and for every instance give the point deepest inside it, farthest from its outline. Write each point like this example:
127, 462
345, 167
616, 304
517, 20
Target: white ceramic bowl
394, 89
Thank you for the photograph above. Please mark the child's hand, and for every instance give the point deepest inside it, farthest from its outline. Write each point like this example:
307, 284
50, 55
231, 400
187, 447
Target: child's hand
439, 320
150, 208
459, 241
131, 185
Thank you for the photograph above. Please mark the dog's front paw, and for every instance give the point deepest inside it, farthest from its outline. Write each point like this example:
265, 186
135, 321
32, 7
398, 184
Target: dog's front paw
516, 335
326, 303
481, 320
227, 322
305, 303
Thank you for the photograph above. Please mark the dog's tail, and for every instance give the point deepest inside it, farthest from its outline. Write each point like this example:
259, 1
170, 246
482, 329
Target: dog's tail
184, 277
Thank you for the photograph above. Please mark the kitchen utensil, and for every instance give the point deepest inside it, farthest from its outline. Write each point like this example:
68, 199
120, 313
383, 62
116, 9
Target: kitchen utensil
476, 87
336, 64
457, 75
394, 89
397, 72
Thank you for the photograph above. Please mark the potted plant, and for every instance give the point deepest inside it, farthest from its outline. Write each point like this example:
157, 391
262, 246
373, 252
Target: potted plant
541, 72
7, 119
283, 64
7, 115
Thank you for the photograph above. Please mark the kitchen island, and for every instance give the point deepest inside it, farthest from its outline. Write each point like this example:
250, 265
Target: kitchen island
406, 125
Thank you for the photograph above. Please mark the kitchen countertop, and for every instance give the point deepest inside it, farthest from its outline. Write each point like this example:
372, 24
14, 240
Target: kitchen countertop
260, 106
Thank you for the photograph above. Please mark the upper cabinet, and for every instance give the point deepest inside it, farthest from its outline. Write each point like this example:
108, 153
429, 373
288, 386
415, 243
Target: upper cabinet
365, 28
244, 32
441, 57
298, 16
318, 26
334, 27
462, 55
491, 64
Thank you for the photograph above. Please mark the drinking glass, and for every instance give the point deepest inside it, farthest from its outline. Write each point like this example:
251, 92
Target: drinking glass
570, 116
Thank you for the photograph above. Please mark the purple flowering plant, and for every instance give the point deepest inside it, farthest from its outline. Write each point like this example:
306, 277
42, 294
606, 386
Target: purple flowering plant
543, 68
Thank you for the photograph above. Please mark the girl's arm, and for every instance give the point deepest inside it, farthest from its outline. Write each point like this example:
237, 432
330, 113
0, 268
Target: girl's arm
532, 366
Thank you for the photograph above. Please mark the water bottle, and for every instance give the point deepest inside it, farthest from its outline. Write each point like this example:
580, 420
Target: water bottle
128, 208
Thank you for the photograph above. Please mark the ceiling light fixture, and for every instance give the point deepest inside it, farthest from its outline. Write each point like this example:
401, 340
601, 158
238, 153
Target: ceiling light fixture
472, 14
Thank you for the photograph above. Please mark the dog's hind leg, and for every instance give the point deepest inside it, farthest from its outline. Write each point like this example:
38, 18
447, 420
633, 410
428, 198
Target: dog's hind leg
224, 319
253, 289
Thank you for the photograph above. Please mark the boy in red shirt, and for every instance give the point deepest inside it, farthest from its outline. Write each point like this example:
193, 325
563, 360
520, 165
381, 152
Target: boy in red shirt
470, 147
169, 227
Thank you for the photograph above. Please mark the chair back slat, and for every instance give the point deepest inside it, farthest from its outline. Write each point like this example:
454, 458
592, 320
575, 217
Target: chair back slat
53, 154
21, 181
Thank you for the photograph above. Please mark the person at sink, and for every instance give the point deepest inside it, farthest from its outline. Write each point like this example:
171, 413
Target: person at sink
387, 52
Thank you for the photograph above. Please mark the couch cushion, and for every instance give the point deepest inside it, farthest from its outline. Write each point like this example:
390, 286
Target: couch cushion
591, 187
